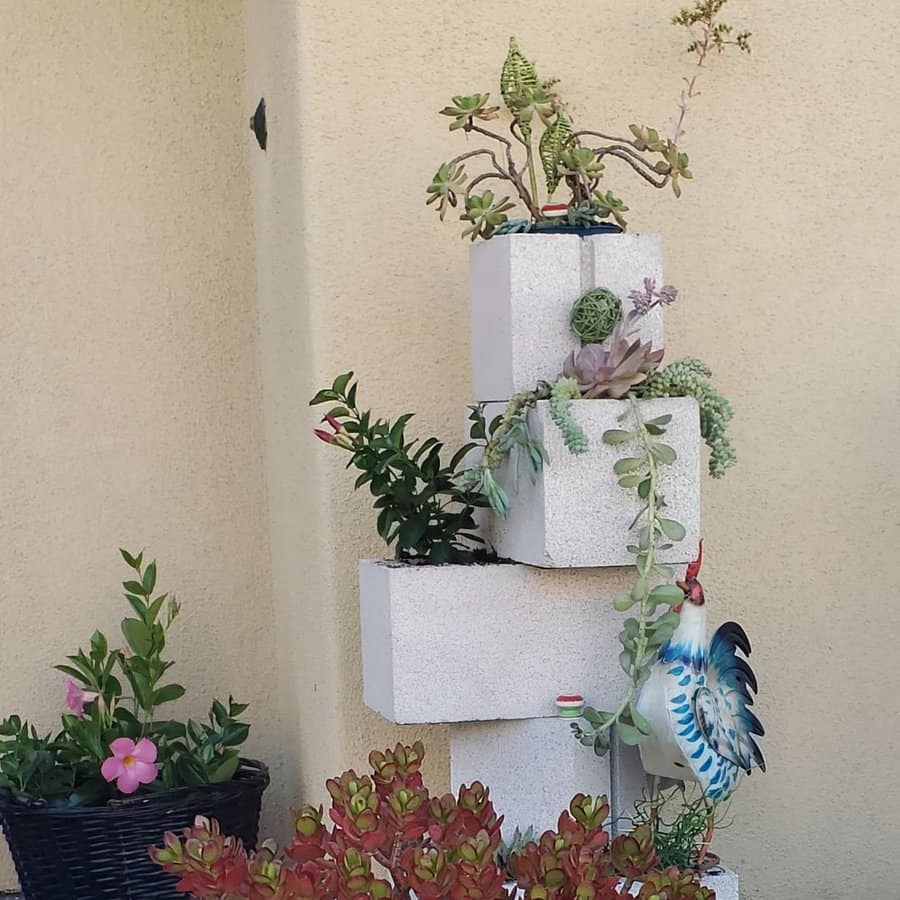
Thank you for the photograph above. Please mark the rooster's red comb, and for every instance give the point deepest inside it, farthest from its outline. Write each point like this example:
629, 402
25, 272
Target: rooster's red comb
693, 569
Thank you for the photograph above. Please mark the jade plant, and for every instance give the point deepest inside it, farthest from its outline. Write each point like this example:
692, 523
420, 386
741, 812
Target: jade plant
390, 838
543, 136
423, 509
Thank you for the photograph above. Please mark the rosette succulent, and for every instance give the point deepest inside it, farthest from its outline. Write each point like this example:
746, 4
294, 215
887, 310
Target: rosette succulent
613, 368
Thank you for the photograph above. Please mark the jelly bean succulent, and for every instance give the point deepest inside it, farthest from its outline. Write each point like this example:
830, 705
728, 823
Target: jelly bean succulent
390, 838
543, 136
113, 740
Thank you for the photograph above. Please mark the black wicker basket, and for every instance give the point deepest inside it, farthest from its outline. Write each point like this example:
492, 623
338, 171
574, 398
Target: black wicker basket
100, 852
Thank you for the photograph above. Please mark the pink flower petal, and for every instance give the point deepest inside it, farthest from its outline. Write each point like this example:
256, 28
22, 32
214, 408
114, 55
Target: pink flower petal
74, 698
122, 747
112, 768
128, 781
145, 772
145, 751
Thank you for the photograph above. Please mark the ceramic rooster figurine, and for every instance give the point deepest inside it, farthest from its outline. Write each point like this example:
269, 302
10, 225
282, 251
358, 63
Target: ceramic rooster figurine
698, 700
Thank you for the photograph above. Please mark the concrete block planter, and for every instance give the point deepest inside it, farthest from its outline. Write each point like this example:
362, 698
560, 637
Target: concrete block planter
461, 643
533, 768
575, 514
522, 289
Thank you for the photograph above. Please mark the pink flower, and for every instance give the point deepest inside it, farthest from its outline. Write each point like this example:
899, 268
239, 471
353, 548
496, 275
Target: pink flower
131, 764
77, 696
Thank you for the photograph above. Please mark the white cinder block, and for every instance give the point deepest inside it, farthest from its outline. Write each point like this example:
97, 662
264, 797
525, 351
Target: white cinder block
533, 768
462, 643
575, 513
522, 289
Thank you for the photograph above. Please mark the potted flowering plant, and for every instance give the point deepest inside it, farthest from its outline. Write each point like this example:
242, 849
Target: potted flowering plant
391, 839
78, 807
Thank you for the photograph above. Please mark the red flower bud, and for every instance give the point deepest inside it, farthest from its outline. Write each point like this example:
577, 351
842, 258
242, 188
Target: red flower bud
323, 435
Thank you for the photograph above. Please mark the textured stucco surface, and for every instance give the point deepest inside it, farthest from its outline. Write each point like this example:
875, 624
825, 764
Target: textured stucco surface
130, 413
126, 300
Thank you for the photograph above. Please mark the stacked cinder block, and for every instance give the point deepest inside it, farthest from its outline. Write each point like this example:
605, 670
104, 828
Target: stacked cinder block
487, 648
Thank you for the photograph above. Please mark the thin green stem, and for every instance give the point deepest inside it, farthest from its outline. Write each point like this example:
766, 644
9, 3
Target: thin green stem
646, 607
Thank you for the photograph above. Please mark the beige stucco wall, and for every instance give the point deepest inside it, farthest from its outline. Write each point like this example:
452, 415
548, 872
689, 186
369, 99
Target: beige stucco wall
130, 411
132, 407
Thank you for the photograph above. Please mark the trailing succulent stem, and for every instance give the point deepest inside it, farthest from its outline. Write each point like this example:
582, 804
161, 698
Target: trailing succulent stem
509, 437
422, 509
689, 378
642, 634
570, 157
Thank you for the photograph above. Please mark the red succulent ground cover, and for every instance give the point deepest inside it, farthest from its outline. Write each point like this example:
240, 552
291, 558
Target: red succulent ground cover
389, 838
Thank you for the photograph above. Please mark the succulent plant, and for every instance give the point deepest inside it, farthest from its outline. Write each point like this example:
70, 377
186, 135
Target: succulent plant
633, 854
595, 315
689, 378
513, 226
578, 156
448, 182
615, 367
454, 854
607, 204
466, 108
485, 213
673, 885
562, 393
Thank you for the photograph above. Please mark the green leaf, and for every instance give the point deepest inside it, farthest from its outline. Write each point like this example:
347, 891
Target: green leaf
660, 420
167, 694
411, 532
325, 396
225, 770
616, 436
99, 646
630, 481
149, 580
133, 561
644, 489
623, 602
673, 530
664, 453
628, 734
138, 636
154, 608
639, 721
134, 587
341, 382
628, 464
668, 594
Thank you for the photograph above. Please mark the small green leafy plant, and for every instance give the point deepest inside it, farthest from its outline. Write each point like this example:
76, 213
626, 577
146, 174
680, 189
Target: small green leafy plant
543, 136
424, 509
681, 827
112, 731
